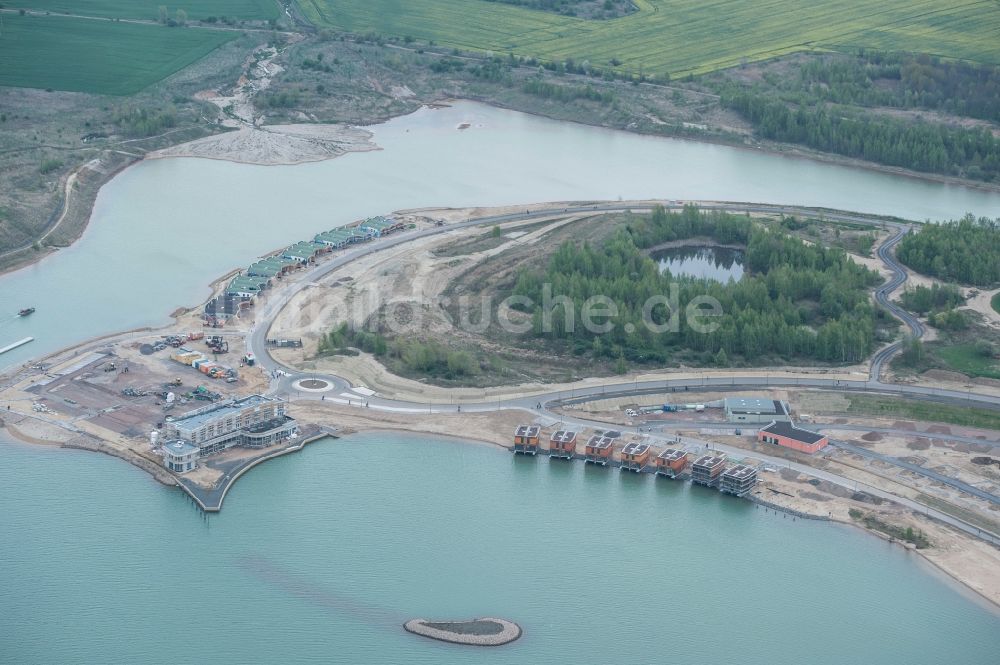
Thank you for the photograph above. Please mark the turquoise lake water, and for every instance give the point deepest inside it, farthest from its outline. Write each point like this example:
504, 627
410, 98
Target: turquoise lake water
320, 556
164, 229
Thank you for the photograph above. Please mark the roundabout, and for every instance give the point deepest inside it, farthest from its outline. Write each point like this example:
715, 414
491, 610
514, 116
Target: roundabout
313, 385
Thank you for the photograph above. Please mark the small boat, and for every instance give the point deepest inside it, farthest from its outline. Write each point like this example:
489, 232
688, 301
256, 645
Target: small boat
26, 311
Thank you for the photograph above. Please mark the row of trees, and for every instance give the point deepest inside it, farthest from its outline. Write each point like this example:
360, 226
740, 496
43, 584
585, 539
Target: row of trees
922, 146
965, 251
796, 301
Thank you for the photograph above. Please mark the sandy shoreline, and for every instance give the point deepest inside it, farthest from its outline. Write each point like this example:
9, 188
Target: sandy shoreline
498, 425
975, 591
217, 147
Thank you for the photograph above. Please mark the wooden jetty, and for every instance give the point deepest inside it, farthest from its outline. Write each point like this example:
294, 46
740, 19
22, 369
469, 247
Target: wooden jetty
19, 343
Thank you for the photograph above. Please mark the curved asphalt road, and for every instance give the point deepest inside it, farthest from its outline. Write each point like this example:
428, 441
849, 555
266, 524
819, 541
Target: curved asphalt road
287, 377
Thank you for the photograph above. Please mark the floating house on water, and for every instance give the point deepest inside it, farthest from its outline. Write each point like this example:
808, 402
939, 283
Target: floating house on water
599, 450
707, 469
671, 462
788, 435
562, 444
738, 480
526, 439
635, 456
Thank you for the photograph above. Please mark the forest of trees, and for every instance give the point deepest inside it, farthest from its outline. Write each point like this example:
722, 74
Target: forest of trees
966, 251
796, 300
922, 146
899, 80
922, 299
837, 104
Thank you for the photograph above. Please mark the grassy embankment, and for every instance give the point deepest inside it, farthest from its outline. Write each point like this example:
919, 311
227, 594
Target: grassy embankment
894, 407
679, 36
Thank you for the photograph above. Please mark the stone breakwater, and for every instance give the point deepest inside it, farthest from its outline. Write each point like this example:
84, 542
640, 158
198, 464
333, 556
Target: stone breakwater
483, 632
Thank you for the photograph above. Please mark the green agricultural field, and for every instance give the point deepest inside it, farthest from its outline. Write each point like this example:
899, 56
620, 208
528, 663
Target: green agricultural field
681, 36
104, 57
149, 9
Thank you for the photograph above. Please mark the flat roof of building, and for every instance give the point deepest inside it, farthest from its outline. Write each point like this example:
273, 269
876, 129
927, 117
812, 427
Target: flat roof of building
601, 442
671, 454
179, 448
527, 430
562, 436
754, 405
710, 460
198, 417
790, 431
635, 448
739, 472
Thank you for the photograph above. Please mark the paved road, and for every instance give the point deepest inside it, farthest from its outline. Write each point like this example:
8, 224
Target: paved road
542, 402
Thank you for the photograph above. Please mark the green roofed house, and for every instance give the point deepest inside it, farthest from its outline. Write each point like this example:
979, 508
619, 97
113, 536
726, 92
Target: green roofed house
247, 286
335, 238
380, 226
305, 251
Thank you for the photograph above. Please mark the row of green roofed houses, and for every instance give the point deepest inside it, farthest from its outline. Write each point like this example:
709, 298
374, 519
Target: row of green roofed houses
259, 276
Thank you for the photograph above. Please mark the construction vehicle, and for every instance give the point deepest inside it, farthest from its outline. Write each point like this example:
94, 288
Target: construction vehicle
192, 336
110, 367
173, 384
217, 344
249, 360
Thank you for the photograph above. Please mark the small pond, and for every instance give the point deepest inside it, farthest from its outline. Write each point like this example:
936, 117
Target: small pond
718, 263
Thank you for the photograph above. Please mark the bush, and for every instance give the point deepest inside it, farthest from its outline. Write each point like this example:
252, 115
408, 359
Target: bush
49, 165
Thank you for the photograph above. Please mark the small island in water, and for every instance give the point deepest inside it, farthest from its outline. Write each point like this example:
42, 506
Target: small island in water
483, 632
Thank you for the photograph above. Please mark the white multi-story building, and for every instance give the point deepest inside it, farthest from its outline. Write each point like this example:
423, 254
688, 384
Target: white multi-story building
256, 421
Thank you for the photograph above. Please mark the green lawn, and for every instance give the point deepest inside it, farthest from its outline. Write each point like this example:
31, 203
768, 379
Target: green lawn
964, 358
932, 412
149, 9
98, 56
681, 36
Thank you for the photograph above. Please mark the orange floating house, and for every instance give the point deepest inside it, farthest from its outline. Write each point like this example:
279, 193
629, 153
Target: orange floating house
635, 456
671, 462
562, 444
526, 439
599, 450
707, 469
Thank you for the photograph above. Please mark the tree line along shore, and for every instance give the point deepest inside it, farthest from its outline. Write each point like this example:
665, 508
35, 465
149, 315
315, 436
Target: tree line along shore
870, 108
